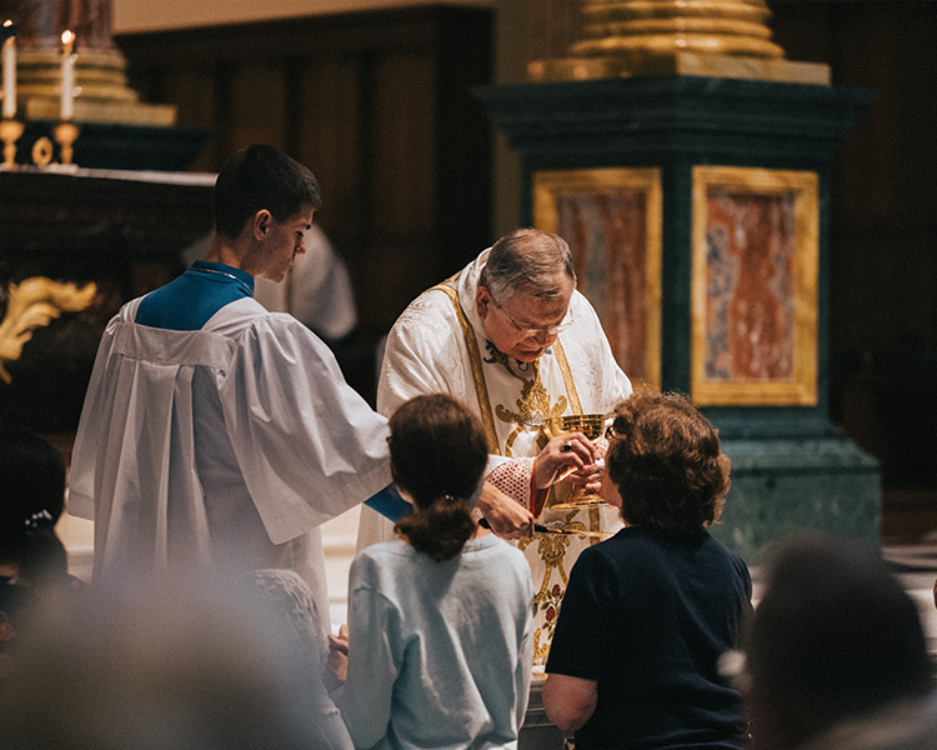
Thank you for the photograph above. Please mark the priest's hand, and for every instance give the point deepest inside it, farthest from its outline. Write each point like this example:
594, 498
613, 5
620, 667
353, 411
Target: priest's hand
506, 518
571, 457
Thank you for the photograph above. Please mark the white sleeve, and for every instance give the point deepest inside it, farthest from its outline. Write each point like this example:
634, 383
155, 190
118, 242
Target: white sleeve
599, 379
103, 419
97, 407
308, 444
423, 355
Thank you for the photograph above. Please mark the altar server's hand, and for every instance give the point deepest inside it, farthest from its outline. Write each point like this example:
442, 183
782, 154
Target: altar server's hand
506, 518
571, 456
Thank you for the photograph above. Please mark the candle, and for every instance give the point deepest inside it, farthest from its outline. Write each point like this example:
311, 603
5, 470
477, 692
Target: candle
68, 77
9, 76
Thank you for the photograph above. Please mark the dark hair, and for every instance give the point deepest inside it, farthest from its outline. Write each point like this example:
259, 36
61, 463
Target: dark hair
666, 461
32, 497
835, 635
526, 258
438, 453
261, 177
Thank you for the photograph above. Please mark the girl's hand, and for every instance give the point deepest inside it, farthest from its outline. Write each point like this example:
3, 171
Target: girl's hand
338, 653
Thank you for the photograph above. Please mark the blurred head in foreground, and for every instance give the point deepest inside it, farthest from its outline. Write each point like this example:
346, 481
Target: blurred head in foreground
32, 497
834, 638
203, 669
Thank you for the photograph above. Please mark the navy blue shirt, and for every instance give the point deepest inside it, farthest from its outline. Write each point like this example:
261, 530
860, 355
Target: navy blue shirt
648, 617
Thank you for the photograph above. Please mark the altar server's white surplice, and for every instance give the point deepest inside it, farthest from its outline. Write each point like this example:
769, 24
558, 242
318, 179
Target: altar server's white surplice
225, 446
438, 344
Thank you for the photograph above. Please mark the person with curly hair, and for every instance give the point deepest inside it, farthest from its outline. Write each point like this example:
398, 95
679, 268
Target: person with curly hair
648, 613
440, 635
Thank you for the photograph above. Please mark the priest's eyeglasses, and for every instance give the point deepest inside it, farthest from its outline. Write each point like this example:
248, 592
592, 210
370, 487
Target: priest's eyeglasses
532, 333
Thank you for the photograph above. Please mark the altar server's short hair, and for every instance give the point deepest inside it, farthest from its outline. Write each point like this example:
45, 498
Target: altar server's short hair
261, 177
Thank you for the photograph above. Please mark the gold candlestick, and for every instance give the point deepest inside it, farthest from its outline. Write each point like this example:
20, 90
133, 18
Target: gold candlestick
10, 131
66, 133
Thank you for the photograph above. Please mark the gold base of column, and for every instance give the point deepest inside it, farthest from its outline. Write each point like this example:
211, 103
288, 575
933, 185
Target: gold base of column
105, 96
720, 27
643, 63
99, 111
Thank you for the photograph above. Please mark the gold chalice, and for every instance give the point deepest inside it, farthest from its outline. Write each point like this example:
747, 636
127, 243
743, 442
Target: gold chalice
568, 496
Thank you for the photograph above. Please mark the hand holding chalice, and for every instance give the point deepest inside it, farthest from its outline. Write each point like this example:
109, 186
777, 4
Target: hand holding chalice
575, 434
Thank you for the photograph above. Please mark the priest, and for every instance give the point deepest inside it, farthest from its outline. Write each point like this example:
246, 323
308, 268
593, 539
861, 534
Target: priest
511, 337
216, 435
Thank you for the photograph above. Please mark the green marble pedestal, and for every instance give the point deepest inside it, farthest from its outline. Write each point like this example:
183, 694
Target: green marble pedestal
782, 486
792, 468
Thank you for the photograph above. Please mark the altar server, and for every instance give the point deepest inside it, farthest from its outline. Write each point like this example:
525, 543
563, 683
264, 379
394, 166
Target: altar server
214, 433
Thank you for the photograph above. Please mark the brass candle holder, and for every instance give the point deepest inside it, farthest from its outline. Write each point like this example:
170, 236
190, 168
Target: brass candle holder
10, 132
568, 496
66, 133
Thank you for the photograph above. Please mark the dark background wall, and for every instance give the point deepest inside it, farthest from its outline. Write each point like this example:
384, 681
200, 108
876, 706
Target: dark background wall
883, 239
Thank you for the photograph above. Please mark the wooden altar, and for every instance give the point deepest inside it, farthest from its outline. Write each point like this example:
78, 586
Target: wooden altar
121, 230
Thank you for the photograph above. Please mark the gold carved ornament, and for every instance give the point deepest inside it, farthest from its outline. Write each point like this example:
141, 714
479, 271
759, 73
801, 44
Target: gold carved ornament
32, 304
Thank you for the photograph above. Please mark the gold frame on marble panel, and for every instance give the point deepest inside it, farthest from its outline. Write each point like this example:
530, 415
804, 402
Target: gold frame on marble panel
548, 185
801, 388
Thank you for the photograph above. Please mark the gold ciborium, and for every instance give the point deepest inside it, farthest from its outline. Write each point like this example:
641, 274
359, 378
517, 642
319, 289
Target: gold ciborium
568, 496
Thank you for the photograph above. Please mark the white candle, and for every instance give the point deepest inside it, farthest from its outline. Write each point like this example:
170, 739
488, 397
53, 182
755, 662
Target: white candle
68, 77
9, 77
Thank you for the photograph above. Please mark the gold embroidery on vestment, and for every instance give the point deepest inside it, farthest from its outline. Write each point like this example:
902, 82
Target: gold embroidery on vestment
533, 406
478, 375
567, 377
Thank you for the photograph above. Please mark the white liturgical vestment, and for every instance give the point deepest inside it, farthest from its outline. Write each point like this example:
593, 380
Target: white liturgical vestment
438, 345
225, 446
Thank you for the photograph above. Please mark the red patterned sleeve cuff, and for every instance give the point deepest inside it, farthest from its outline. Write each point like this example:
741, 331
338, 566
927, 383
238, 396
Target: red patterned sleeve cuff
515, 478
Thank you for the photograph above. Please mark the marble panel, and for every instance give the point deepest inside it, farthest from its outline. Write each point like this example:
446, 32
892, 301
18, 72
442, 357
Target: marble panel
611, 219
754, 287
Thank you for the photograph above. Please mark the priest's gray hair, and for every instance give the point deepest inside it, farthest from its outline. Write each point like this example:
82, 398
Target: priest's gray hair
530, 259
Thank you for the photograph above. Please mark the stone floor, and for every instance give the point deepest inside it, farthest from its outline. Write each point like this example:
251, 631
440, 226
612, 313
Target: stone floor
916, 565
913, 558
